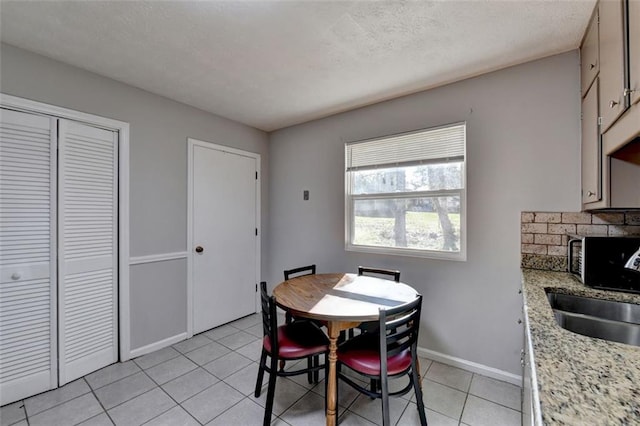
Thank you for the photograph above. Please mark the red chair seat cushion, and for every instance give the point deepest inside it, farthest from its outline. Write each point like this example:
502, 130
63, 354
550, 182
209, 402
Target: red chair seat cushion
298, 340
363, 355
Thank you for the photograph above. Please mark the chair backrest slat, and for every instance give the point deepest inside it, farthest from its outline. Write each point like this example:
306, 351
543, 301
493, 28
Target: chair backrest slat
299, 272
269, 316
366, 270
399, 329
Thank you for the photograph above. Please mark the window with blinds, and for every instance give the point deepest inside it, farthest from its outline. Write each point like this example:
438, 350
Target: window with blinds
405, 193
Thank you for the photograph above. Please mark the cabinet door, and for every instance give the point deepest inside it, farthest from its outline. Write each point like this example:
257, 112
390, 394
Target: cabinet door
27, 255
87, 249
591, 147
611, 61
634, 50
589, 60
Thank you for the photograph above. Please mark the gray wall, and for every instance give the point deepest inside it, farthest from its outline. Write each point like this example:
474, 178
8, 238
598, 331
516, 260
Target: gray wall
523, 133
159, 129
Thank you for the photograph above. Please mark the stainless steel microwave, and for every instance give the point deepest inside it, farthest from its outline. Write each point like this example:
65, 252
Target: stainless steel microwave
599, 262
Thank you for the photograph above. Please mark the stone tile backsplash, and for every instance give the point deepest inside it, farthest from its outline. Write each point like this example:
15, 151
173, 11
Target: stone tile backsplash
544, 235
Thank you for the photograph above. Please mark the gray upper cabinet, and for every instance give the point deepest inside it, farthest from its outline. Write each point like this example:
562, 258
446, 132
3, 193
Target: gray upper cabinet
591, 143
589, 55
612, 61
591, 148
634, 51
610, 73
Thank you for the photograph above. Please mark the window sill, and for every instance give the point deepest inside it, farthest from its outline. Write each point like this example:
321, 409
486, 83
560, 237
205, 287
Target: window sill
460, 256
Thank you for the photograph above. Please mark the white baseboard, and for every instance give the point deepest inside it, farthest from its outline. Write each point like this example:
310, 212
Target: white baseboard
474, 367
158, 345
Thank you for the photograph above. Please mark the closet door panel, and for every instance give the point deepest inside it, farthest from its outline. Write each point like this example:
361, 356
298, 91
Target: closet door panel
27, 255
87, 249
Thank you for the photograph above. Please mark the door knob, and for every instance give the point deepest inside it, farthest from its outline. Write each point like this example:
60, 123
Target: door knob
199, 249
592, 66
15, 276
612, 104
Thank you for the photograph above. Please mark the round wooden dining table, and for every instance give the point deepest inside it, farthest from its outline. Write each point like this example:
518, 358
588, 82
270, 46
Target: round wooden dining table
342, 301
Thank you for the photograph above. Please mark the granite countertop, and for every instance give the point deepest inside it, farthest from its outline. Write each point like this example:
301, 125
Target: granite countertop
581, 380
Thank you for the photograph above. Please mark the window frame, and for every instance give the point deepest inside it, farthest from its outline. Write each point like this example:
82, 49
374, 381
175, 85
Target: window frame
350, 200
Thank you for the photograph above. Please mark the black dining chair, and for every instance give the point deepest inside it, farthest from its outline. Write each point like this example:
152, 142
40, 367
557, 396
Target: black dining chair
366, 327
398, 343
289, 318
298, 340
366, 270
297, 272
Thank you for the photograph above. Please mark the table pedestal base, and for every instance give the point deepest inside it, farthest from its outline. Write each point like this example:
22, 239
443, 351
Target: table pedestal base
334, 328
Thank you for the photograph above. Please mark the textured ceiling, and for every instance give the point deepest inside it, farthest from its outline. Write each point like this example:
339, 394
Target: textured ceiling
271, 64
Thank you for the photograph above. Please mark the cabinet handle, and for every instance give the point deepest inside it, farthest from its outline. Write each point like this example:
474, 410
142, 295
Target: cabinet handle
519, 321
15, 276
592, 66
590, 194
612, 104
627, 92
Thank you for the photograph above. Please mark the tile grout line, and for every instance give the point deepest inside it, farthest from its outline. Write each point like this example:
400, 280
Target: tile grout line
191, 350
497, 403
203, 390
297, 400
155, 365
54, 406
198, 366
100, 402
170, 397
24, 409
466, 398
305, 391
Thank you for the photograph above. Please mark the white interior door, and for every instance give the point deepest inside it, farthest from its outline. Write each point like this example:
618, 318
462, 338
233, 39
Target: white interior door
224, 226
87, 249
27, 255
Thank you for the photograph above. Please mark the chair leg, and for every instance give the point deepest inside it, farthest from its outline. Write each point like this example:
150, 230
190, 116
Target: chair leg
417, 386
384, 387
374, 386
316, 374
270, 393
309, 367
263, 363
282, 362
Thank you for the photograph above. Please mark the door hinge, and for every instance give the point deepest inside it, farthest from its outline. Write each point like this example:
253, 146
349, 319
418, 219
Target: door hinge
256, 175
256, 288
599, 121
256, 231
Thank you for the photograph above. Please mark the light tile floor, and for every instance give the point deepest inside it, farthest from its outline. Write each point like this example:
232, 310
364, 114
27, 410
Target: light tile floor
209, 379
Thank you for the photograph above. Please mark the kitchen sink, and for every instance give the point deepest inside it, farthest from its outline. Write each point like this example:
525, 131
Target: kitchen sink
602, 319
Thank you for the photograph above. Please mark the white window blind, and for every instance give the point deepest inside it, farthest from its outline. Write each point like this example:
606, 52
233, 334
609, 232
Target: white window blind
435, 145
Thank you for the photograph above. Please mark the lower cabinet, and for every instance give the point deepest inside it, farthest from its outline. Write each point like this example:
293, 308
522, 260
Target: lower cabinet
527, 394
531, 414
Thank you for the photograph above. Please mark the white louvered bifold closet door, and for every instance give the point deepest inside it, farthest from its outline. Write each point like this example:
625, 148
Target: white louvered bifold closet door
27, 255
87, 249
